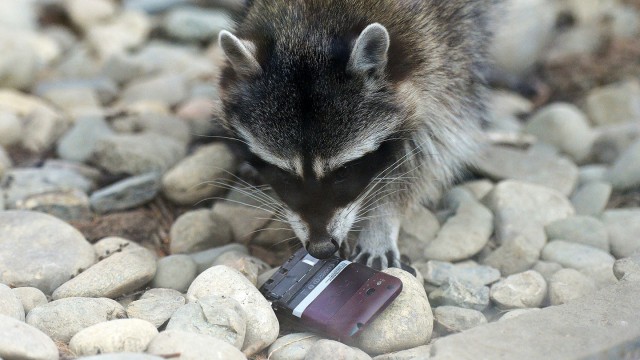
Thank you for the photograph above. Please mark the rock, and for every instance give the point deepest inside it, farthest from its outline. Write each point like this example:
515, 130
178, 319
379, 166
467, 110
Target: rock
62, 319
592, 198
199, 230
517, 255
204, 174
119, 274
10, 128
546, 269
592, 173
127, 31
21, 341
456, 293
197, 113
21, 183
123, 356
123, 335
137, 154
19, 16
262, 324
406, 323
102, 88
192, 346
418, 228
126, 194
565, 127
410, 354
123, 67
166, 88
20, 64
625, 173
516, 312
151, 121
452, 319
601, 275
70, 205
575, 256
75, 102
569, 284
523, 209
51, 251
186, 61
195, 24
204, 259
216, 316
583, 230
5, 161
478, 188
86, 13
613, 140
614, 104
175, 272
156, 306
10, 304
79, 142
110, 245
45, 125
439, 273
502, 163
248, 266
87, 171
524, 290
152, 6
627, 266
463, 235
329, 349
30, 297
245, 221
624, 230
292, 346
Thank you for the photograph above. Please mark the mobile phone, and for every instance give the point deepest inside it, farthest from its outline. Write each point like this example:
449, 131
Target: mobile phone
335, 297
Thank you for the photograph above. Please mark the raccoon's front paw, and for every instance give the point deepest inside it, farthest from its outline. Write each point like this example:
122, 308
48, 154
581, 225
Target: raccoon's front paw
379, 259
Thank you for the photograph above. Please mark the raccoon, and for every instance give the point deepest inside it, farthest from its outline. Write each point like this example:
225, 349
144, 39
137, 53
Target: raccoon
354, 111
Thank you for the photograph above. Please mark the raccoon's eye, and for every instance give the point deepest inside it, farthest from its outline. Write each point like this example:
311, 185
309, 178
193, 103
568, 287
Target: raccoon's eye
340, 175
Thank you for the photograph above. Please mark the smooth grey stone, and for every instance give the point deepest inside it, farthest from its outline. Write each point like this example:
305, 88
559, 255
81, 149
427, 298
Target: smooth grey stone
517, 255
195, 24
5, 161
10, 304
122, 335
602, 275
19, 184
204, 259
105, 88
150, 121
21, 341
625, 172
108, 246
137, 154
563, 126
245, 221
613, 140
575, 256
583, 230
30, 297
123, 356
169, 89
78, 143
592, 198
452, 319
511, 314
463, 235
51, 251
569, 284
592, 173
292, 346
84, 14
459, 294
152, 6
548, 170
175, 272
247, 265
438, 273
193, 346
207, 173
418, 228
117, 275
10, 129
523, 290
627, 266
156, 306
624, 231
410, 354
262, 324
219, 317
69, 205
126, 194
614, 104
62, 319
330, 349
87, 171
407, 322
199, 230
546, 269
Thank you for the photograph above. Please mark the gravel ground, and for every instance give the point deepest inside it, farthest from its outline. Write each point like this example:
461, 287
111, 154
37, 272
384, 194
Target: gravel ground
125, 231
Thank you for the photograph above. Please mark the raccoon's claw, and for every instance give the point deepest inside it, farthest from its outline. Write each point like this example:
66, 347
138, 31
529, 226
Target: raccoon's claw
376, 260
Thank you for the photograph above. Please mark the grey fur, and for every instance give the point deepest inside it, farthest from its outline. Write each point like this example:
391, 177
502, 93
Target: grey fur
427, 89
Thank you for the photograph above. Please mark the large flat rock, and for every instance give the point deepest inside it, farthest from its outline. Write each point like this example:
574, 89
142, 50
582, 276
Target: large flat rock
591, 327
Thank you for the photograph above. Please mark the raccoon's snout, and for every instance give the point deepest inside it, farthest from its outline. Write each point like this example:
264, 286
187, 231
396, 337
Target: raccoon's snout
322, 248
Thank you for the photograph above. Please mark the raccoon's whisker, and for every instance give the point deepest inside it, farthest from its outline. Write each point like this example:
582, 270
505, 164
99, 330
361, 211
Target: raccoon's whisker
266, 229
283, 241
220, 137
272, 206
233, 201
242, 181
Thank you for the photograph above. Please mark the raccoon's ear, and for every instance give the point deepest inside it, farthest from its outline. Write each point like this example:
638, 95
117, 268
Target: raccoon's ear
241, 54
369, 54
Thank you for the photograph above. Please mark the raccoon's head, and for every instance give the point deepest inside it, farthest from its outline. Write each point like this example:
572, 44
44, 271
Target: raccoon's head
319, 120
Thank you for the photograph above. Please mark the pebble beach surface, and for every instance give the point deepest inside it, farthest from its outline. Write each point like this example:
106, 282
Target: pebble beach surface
127, 232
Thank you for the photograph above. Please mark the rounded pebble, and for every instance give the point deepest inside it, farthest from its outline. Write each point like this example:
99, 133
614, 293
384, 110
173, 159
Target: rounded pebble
329, 349
574, 255
30, 297
292, 346
175, 272
192, 346
156, 306
199, 230
569, 284
452, 319
124, 335
10, 304
583, 230
524, 290
21, 341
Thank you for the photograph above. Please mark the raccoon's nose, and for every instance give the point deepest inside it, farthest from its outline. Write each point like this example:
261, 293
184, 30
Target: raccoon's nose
322, 248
